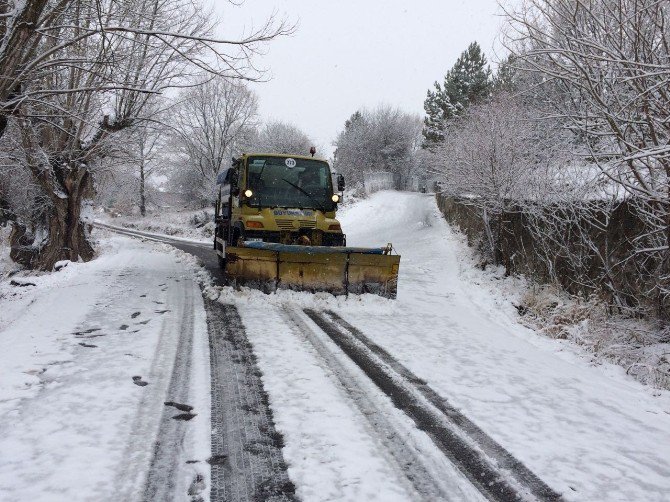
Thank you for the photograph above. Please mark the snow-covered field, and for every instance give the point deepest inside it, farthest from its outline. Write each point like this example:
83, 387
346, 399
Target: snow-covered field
69, 405
86, 358
591, 432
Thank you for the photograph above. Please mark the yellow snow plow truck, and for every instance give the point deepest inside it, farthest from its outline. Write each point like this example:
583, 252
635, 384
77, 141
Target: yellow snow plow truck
276, 229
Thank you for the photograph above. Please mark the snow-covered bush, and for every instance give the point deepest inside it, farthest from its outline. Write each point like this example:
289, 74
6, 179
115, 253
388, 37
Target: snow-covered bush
494, 157
640, 346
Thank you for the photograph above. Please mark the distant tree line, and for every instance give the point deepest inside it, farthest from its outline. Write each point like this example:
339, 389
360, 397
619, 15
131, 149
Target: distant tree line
385, 139
193, 137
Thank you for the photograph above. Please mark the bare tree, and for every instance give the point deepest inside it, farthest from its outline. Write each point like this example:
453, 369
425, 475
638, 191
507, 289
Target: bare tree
384, 139
37, 36
282, 137
76, 72
212, 122
496, 157
134, 157
151, 159
610, 61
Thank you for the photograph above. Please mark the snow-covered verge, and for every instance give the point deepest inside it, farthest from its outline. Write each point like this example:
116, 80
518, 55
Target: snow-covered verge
86, 357
590, 431
192, 224
640, 346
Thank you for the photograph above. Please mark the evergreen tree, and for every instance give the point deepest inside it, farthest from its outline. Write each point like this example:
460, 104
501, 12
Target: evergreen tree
468, 82
506, 76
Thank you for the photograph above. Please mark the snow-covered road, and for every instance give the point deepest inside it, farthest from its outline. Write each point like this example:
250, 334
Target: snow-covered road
69, 405
590, 432
86, 362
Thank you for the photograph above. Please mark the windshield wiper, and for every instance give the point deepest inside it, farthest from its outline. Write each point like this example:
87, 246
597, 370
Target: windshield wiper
316, 202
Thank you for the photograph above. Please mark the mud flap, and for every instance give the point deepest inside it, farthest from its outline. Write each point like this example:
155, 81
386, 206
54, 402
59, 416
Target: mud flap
337, 270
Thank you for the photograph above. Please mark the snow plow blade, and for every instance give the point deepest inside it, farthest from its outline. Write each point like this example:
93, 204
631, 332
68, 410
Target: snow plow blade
337, 270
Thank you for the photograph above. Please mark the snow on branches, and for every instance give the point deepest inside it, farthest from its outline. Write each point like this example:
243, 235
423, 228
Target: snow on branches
77, 72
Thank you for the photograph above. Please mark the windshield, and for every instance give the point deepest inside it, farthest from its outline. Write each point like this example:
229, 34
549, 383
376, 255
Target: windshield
287, 182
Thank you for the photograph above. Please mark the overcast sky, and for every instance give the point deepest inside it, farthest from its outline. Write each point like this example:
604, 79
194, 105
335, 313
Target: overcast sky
349, 54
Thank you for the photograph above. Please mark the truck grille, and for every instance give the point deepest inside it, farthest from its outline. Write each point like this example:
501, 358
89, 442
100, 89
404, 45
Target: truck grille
285, 224
307, 223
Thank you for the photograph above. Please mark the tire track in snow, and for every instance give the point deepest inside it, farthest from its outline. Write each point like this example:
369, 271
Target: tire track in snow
247, 461
141, 469
165, 481
428, 481
502, 457
493, 470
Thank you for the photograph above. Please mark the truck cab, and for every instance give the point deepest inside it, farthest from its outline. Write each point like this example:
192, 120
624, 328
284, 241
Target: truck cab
286, 199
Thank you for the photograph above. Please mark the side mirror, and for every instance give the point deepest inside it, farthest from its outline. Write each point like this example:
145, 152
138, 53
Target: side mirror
340, 183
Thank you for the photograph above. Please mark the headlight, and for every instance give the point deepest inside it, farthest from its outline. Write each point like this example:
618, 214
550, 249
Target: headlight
335, 198
248, 193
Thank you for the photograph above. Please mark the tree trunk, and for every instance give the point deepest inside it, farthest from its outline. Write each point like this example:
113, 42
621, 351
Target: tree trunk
16, 50
66, 235
143, 200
